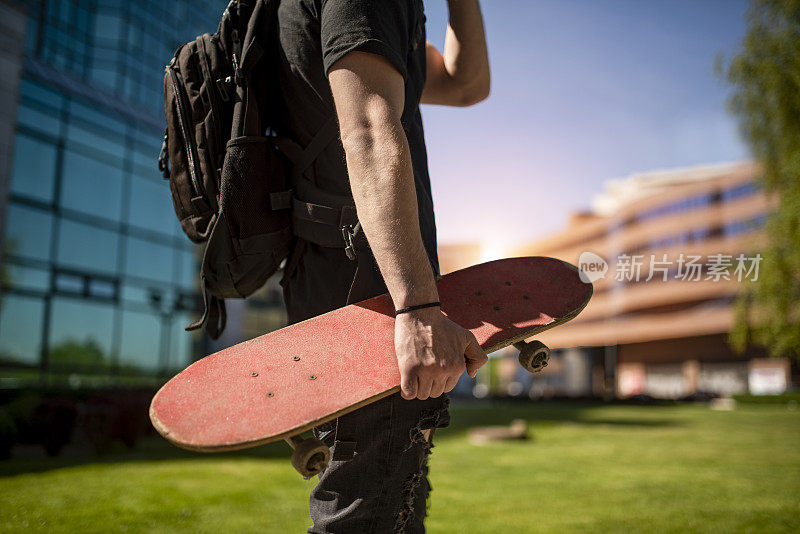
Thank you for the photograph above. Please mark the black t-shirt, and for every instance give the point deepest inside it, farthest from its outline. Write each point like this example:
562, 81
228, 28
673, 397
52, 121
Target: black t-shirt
313, 35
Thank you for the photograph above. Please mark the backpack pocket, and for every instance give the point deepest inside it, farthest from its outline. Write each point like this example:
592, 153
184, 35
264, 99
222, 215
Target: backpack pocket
253, 232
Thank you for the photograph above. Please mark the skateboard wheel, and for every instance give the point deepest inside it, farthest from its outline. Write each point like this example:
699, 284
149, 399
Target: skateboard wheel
311, 457
533, 356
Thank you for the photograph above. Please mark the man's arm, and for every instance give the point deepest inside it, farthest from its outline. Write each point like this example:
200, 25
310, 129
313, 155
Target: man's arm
369, 96
460, 76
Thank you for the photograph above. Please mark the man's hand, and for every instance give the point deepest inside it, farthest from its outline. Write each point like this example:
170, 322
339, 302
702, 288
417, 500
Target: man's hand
432, 352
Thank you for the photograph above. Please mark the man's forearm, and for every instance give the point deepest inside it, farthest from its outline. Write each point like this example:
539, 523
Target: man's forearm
369, 96
382, 182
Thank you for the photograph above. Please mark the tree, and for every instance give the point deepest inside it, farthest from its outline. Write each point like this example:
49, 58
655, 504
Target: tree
80, 355
765, 77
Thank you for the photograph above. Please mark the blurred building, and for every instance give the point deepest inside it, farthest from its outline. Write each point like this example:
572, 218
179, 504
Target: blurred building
97, 278
677, 246
455, 256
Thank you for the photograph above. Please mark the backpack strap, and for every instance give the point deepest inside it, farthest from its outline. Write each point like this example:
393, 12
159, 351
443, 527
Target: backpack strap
252, 120
302, 158
327, 226
214, 314
335, 227
325, 135
362, 286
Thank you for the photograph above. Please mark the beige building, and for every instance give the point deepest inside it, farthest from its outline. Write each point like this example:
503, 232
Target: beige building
455, 256
677, 246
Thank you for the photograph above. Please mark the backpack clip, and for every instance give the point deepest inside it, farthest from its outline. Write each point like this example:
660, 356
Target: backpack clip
349, 232
163, 158
347, 235
238, 78
224, 86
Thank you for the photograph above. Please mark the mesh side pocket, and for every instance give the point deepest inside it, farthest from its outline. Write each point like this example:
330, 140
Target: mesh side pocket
259, 236
253, 169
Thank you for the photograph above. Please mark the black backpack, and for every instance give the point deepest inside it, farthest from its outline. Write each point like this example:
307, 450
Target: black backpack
228, 180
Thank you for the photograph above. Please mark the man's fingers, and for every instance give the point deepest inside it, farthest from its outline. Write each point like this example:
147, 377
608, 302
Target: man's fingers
424, 385
475, 356
438, 387
408, 385
451, 383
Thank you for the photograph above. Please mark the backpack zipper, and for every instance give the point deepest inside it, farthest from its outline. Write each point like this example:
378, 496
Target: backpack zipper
214, 97
198, 189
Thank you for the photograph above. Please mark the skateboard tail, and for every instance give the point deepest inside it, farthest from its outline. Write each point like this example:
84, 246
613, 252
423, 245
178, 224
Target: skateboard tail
192, 445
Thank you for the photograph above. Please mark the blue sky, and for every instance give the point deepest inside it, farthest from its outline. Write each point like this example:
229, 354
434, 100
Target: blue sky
582, 91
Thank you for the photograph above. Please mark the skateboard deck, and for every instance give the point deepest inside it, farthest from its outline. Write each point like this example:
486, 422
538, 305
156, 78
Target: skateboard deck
283, 383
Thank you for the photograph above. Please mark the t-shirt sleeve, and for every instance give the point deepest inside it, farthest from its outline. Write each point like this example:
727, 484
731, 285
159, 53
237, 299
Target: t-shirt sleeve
376, 26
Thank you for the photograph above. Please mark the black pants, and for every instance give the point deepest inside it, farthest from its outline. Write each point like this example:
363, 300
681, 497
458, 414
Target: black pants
377, 478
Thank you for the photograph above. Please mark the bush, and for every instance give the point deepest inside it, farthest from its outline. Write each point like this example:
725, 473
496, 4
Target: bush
54, 422
98, 421
50, 417
8, 434
39, 420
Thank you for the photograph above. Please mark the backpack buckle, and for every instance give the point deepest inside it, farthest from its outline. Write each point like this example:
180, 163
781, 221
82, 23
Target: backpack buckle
225, 87
348, 231
238, 78
163, 158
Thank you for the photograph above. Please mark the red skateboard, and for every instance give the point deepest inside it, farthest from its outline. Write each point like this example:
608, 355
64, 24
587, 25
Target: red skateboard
281, 384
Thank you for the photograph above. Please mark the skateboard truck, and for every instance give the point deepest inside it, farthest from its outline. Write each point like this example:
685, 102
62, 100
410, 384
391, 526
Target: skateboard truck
533, 356
310, 456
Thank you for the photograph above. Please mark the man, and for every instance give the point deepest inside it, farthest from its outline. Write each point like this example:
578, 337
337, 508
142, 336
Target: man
366, 63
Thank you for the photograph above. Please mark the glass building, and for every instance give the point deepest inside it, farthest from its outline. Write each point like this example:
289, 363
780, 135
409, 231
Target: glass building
98, 280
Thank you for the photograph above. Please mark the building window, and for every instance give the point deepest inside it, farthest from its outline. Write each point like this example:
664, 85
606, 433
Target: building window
24, 277
86, 247
146, 259
39, 119
151, 206
141, 343
34, 168
32, 92
21, 320
81, 336
740, 191
28, 233
91, 186
181, 350
745, 226
686, 204
69, 284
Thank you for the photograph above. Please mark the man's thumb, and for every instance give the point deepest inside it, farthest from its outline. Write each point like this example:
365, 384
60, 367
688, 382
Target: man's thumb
408, 386
475, 357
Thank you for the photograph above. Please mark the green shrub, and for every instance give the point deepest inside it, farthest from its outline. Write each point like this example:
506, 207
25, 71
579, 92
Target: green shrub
8, 433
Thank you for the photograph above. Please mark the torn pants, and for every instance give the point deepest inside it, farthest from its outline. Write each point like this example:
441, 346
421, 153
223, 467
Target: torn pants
377, 480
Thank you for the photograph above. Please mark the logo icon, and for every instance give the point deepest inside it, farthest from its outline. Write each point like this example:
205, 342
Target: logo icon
592, 267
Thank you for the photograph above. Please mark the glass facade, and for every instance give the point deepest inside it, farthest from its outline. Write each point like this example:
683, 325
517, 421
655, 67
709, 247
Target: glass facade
98, 281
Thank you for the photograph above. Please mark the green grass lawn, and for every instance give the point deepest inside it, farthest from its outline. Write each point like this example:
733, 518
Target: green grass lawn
588, 468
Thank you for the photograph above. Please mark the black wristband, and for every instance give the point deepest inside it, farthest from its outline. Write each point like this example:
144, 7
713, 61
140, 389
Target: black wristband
417, 307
